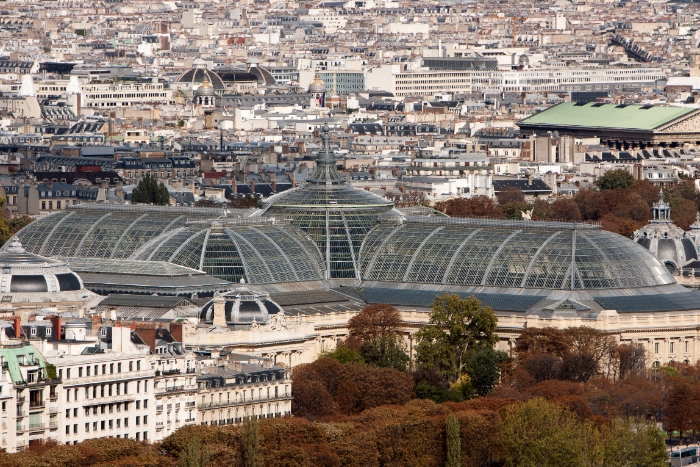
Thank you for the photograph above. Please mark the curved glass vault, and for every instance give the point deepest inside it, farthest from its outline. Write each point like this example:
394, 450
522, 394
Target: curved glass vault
334, 214
260, 252
532, 255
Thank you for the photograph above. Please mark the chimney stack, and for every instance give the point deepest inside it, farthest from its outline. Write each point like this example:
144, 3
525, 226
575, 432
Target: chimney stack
56, 325
18, 327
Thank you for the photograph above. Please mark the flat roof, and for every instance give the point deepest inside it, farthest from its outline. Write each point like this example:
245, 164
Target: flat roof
598, 115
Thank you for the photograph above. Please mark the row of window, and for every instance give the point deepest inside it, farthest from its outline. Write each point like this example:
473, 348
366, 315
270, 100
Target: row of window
105, 367
671, 347
107, 408
106, 390
109, 425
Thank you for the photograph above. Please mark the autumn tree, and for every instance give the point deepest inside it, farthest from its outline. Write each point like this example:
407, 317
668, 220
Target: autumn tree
476, 206
565, 209
457, 326
510, 194
375, 321
374, 334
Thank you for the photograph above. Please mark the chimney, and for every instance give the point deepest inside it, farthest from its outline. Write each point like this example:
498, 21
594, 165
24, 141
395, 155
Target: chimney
176, 331
252, 186
148, 336
119, 192
18, 327
529, 180
96, 322
56, 325
219, 312
105, 183
294, 179
273, 181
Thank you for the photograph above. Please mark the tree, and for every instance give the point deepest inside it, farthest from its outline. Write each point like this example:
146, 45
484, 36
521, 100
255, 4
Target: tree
251, 443
614, 179
510, 194
374, 333
344, 355
243, 202
565, 209
539, 434
456, 326
483, 368
477, 206
195, 454
453, 443
375, 321
386, 351
149, 192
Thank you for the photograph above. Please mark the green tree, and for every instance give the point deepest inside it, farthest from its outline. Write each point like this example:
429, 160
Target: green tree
386, 351
344, 355
453, 444
614, 179
625, 444
195, 454
251, 443
539, 434
149, 191
484, 368
456, 326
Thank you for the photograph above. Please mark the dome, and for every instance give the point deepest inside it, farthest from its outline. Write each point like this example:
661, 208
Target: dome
478, 253
24, 272
334, 214
260, 252
241, 306
105, 230
205, 89
195, 76
317, 85
236, 76
672, 246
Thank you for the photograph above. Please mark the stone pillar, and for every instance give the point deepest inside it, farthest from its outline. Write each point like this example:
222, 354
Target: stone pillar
219, 312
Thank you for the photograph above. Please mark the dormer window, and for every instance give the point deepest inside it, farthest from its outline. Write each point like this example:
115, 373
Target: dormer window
48, 331
32, 332
103, 332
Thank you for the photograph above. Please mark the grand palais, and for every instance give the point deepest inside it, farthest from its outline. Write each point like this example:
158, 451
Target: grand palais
284, 279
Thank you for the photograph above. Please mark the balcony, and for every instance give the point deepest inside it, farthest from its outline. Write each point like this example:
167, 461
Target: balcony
53, 424
36, 404
36, 427
116, 377
171, 372
189, 420
21, 399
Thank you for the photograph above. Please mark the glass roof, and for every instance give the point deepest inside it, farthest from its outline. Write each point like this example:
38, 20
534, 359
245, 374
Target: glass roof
260, 251
334, 214
517, 254
105, 231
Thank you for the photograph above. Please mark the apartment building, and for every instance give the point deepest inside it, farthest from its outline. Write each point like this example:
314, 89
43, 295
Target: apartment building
401, 80
242, 387
28, 397
125, 94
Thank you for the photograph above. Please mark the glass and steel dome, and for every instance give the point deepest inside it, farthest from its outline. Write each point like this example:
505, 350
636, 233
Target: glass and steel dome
512, 254
334, 214
105, 230
261, 252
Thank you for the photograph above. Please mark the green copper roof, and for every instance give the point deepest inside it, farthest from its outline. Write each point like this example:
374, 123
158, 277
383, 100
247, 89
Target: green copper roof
13, 355
630, 117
